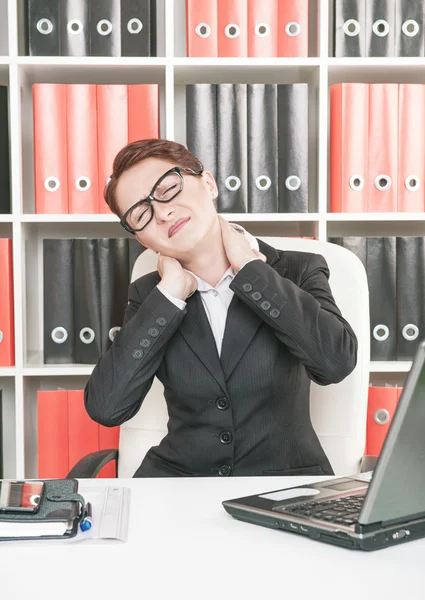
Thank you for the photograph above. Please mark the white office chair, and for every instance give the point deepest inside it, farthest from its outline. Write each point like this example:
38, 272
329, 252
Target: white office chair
338, 411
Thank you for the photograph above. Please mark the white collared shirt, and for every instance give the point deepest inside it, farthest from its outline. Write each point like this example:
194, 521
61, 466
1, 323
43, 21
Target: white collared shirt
216, 300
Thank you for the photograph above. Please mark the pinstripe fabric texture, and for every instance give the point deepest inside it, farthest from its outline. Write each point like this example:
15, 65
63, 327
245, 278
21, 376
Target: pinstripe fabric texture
245, 413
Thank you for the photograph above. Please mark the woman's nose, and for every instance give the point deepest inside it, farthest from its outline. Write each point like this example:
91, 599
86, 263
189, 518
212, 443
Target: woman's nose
162, 210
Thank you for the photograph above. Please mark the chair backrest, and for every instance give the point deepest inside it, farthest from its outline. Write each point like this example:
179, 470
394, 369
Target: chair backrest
338, 411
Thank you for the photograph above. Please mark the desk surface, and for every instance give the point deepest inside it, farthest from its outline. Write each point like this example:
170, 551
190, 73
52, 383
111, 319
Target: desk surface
182, 544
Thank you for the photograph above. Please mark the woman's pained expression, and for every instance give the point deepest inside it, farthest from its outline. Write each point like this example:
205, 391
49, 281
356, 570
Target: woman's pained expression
179, 225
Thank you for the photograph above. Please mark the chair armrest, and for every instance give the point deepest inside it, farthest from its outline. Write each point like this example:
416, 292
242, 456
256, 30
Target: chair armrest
90, 465
368, 463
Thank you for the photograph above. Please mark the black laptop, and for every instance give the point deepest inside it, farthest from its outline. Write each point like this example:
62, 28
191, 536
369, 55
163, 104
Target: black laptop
367, 511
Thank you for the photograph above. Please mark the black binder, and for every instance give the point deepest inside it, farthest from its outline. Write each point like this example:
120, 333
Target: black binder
349, 29
380, 28
105, 30
262, 148
43, 27
292, 145
201, 123
231, 148
381, 274
87, 299
5, 206
409, 28
74, 27
138, 28
114, 281
410, 295
58, 288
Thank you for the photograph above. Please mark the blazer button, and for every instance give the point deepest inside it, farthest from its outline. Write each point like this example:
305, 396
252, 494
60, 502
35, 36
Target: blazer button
145, 343
274, 313
265, 305
224, 470
137, 353
161, 321
153, 332
247, 287
222, 403
225, 437
256, 296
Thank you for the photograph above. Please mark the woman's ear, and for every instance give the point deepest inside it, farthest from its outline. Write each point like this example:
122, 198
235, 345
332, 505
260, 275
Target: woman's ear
210, 183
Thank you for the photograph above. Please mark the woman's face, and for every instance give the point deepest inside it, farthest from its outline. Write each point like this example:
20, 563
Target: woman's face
195, 204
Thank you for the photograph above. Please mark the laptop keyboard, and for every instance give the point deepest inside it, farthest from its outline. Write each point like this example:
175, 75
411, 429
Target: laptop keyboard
342, 511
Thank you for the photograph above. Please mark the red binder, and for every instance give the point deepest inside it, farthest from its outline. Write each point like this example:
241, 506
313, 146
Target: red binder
382, 403
109, 438
7, 338
50, 160
349, 147
411, 147
83, 191
383, 142
83, 431
232, 28
201, 28
53, 445
262, 28
143, 112
112, 131
293, 28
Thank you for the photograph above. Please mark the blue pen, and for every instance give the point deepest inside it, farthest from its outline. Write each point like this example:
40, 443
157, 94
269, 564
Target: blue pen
87, 522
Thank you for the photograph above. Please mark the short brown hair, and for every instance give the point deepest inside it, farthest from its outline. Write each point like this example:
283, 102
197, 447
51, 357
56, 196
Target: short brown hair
136, 152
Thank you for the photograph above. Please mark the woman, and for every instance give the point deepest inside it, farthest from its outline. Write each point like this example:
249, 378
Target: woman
234, 329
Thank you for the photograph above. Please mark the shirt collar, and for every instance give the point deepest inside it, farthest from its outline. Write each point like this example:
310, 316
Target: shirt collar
203, 286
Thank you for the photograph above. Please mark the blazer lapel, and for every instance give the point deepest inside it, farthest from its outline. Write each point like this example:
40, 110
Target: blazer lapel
198, 334
241, 326
242, 322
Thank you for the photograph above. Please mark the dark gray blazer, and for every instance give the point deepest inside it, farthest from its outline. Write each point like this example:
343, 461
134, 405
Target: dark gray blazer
246, 412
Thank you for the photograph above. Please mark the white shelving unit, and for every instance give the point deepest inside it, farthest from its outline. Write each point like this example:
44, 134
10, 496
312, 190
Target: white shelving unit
172, 70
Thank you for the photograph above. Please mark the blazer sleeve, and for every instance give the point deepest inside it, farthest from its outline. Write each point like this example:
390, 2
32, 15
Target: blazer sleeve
305, 318
124, 374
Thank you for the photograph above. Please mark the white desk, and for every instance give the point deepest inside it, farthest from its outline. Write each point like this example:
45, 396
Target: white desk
182, 544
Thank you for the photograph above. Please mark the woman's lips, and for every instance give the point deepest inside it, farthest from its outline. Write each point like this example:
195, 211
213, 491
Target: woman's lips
177, 226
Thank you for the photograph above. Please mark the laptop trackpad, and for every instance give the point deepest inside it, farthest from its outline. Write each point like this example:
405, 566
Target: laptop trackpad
291, 493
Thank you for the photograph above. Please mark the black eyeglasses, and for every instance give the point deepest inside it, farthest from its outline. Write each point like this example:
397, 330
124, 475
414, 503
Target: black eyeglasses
168, 186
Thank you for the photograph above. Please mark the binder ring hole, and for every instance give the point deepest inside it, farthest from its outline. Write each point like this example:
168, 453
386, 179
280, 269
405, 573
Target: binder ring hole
383, 182
113, 332
75, 27
59, 335
87, 335
351, 27
292, 182
134, 26
35, 499
232, 30
410, 332
82, 183
412, 183
44, 26
263, 182
292, 28
52, 184
356, 182
233, 183
203, 30
1, 337
381, 333
381, 28
104, 27
410, 28
262, 29
381, 416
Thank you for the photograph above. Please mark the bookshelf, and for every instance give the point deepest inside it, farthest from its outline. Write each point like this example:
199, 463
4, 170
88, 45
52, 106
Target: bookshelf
172, 70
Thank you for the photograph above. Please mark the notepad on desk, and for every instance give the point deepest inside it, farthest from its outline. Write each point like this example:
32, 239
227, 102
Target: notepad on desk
34, 529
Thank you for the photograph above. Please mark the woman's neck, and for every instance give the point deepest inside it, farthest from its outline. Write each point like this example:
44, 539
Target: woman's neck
209, 261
